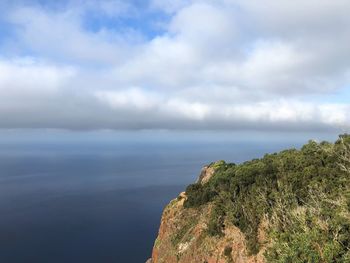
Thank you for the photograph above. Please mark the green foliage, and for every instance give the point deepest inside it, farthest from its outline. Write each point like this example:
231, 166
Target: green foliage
216, 220
304, 194
227, 253
198, 194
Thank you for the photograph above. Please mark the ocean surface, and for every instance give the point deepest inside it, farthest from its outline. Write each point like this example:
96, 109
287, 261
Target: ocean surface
97, 201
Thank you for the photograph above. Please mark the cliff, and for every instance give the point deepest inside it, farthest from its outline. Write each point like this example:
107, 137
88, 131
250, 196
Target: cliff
291, 206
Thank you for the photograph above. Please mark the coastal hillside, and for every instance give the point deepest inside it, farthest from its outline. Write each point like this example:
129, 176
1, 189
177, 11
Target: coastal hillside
291, 206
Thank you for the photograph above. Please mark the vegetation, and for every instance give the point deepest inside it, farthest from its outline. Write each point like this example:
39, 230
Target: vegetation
303, 194
184, 233
227, 253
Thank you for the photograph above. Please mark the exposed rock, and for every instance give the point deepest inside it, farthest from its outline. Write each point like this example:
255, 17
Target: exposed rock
251, 212
183, 236
208, 171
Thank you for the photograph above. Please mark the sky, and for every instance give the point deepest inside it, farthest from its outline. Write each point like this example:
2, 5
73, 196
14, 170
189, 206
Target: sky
225, 65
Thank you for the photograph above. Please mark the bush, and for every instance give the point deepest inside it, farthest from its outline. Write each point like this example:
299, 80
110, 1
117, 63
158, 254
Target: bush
297, 190
216, 220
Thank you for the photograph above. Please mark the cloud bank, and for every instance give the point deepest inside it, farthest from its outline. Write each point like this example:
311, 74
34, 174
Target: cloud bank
184, 64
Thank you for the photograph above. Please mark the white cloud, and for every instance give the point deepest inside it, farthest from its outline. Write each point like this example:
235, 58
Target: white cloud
205, 25
226, 64
132, 99
61, 36
296, 16
27, 76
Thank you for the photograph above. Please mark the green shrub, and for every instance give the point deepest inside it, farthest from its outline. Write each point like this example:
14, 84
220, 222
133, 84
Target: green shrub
297, 190
216, 220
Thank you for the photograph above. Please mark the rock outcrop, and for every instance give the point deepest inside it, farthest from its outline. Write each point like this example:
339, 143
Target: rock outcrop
183, 234
292, 206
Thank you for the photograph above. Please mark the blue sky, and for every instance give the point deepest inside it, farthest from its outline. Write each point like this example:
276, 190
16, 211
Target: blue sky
229, 65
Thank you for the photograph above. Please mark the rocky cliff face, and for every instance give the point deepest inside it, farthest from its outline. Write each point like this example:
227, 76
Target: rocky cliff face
292, 206
183, 234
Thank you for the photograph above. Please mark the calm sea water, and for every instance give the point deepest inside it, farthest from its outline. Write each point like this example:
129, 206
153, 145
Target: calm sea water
96, 202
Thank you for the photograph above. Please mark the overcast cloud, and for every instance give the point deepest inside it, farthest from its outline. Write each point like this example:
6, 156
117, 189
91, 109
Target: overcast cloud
201, 64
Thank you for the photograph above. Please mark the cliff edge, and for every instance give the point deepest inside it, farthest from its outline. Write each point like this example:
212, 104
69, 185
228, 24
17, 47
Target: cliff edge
291, 206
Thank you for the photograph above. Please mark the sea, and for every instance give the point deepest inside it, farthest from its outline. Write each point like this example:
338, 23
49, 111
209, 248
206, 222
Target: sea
99, 201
